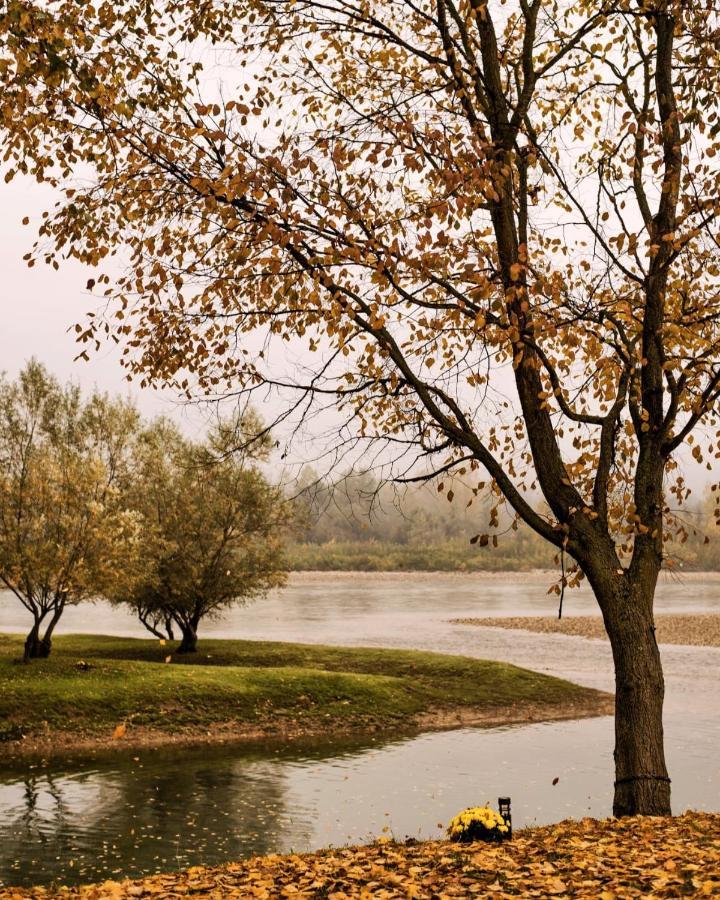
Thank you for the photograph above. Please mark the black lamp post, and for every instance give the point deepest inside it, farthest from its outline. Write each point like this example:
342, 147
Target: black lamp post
504, 810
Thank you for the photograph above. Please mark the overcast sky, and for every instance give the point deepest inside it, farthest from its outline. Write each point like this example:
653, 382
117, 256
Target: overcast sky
40, 307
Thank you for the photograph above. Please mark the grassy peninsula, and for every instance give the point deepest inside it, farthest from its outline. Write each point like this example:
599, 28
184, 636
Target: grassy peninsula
98, 691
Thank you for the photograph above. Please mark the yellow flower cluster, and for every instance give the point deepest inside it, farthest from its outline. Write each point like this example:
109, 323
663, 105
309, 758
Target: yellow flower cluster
476, 818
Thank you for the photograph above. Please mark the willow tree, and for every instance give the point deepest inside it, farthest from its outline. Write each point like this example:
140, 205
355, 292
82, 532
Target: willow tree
65, 533
494, 224
213, 529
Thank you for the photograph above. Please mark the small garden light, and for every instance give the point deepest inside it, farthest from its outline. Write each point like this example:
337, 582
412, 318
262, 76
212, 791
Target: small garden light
504, 810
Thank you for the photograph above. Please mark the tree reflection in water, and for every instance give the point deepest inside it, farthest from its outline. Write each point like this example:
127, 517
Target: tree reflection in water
149, 813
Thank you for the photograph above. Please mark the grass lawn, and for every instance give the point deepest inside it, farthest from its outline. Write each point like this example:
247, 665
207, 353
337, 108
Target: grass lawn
91, 684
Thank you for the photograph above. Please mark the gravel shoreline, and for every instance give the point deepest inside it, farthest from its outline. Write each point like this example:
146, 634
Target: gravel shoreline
697, 630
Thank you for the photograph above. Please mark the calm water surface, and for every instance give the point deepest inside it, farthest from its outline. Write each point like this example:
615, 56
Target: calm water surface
158, 810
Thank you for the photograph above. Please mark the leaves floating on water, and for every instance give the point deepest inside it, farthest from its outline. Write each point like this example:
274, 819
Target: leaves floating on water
610, 859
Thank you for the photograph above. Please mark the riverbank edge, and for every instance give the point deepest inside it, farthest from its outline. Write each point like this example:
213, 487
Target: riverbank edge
673, 629
499, 574
631, 857
59, 746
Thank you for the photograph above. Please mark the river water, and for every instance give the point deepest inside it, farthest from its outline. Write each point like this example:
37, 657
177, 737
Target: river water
159, 810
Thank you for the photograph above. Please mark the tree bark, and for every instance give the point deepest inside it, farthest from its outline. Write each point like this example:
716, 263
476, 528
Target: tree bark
32, 642
45, 645
642, 786
188, 644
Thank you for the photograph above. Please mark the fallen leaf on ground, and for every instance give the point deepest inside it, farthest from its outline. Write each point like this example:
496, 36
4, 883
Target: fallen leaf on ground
626, 858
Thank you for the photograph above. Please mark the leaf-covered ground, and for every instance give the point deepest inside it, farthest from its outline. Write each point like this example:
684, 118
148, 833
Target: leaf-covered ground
700, 630
640, 857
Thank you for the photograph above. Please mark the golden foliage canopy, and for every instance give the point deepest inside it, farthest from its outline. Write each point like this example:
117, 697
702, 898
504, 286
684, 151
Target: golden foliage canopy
422, 192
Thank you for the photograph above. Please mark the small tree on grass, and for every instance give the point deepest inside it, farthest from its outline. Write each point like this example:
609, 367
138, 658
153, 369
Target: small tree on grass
64, 534
213, 527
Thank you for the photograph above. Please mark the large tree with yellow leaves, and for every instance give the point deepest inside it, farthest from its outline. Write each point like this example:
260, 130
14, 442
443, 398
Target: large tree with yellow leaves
66, 532
494, 223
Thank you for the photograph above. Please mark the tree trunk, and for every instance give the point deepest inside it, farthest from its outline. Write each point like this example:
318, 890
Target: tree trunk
32, 642
642, 786
45, 645
188, 644
169, 629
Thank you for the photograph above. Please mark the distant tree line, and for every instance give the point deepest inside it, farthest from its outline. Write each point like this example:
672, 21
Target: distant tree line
96, 502
357, 522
